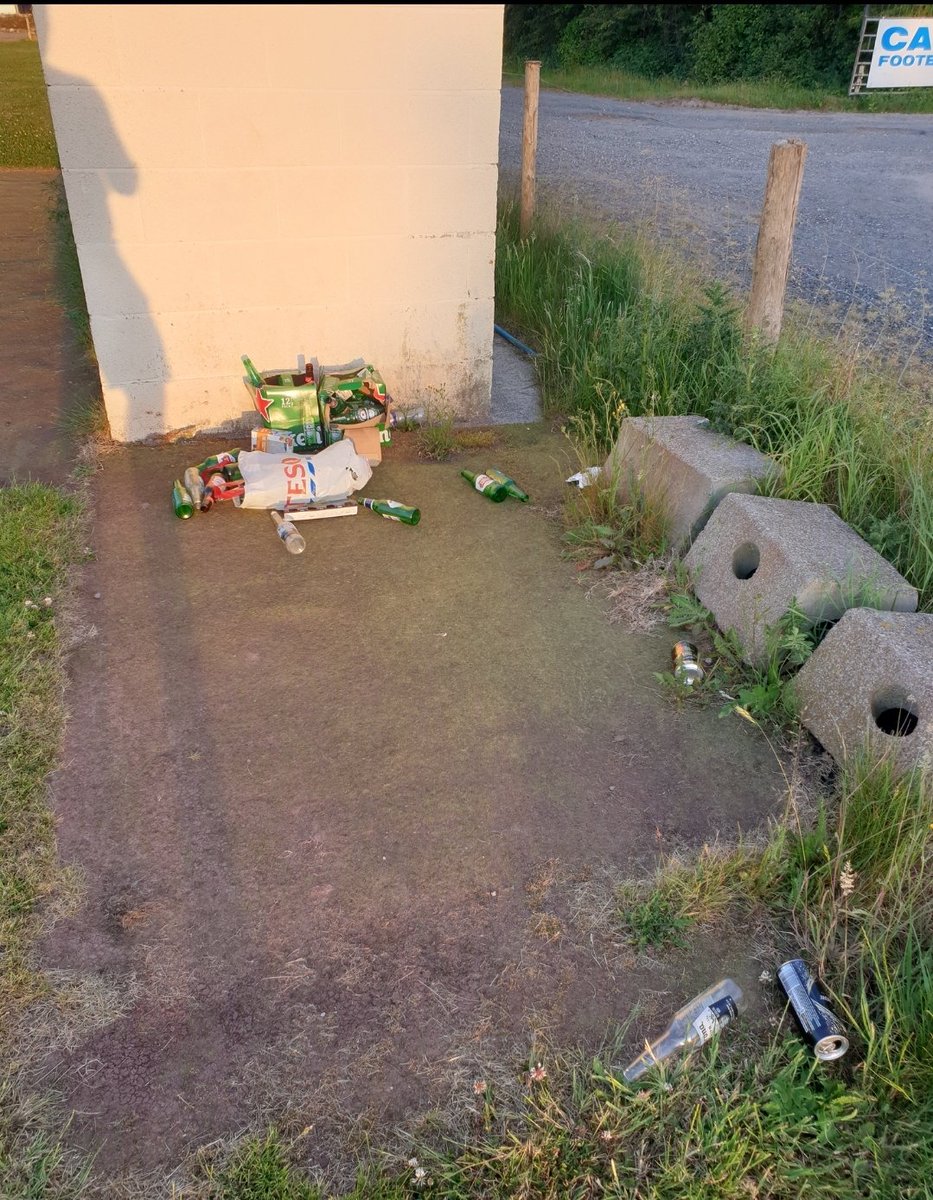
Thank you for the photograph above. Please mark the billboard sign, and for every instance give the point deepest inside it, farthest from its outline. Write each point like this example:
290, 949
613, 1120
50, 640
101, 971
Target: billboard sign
903, 53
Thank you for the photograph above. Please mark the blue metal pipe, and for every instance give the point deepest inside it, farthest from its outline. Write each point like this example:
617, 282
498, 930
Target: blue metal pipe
504, 333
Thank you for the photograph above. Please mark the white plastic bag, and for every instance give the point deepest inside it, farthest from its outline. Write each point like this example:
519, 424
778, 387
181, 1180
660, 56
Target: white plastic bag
297, 480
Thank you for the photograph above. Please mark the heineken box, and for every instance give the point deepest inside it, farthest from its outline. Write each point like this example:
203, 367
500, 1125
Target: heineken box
289, 401
355, 403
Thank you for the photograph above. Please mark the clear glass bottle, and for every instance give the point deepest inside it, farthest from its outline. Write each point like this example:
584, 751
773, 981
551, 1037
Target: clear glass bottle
686, 664
194, 485
692, 1025
294, 542
406, 417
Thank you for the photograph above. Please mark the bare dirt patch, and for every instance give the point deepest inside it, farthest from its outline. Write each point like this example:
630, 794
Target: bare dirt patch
320, 805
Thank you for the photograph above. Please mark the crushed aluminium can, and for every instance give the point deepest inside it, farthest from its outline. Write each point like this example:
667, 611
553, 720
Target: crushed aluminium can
686, 664
821, 1027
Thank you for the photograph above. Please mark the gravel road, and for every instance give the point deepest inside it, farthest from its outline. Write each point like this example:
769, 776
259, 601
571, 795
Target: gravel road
865, 223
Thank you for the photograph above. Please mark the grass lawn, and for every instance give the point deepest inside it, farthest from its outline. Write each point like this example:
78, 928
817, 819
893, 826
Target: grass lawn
26, 137
40, 538
765, 93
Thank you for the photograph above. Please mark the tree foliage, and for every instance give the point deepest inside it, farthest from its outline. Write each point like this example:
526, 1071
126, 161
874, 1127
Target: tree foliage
806, 44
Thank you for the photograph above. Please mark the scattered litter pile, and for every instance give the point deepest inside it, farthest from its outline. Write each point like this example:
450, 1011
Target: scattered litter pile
713, 1009
752, 559
322, 432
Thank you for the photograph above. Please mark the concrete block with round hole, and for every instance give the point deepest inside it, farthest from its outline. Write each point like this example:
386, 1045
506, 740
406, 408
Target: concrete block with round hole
684, 468
758, 556
870, 684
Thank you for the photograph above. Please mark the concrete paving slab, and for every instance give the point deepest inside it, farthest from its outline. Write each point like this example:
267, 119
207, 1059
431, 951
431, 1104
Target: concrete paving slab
757, 556
516, 398
684, 468
309, 795
868, 685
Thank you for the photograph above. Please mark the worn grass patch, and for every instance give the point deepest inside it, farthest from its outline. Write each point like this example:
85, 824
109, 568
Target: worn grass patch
752, 1114
26, 135
39, 540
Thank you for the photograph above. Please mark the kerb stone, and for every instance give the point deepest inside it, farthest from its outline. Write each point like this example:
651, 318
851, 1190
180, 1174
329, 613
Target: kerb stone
684, 467
870, 684
757, 556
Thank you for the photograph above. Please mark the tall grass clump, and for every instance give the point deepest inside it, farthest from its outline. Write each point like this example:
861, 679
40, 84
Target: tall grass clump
623, 329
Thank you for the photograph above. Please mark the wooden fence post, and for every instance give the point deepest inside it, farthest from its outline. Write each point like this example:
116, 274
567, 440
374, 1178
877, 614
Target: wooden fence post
776, 238
529, 146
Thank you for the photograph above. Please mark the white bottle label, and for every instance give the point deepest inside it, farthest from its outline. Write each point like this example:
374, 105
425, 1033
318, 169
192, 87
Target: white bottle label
481, 482
713, 1018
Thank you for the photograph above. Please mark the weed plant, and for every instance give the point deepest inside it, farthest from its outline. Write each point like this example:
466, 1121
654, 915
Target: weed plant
438, 440
762, 689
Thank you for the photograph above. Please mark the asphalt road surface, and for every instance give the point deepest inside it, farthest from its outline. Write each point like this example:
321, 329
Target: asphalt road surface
865, 223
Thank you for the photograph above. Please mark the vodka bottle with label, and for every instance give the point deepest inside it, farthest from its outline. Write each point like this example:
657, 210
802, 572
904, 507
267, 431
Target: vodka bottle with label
692, 1025
294, 542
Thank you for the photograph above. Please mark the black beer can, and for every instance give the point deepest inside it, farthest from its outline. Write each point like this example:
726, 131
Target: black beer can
821, 1027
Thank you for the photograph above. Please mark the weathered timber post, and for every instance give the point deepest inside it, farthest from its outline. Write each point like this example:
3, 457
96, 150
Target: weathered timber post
529, 146
776, 238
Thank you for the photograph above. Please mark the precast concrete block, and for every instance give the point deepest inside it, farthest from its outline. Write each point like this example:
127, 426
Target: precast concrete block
758, 556
685, 468
870, 684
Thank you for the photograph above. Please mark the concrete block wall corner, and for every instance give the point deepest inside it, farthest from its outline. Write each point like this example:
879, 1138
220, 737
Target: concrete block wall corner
278, 180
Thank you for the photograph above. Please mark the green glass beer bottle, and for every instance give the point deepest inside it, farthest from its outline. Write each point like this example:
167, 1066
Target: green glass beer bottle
181, 501
251, 373
392, 510
487, 486
219, 461
509, 484
354, 410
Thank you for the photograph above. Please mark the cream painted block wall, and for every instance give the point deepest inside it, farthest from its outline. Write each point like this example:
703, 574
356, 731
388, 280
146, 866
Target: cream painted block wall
278, 180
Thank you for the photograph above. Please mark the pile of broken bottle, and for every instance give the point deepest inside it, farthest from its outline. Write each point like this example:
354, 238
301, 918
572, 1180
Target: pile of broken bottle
323, 430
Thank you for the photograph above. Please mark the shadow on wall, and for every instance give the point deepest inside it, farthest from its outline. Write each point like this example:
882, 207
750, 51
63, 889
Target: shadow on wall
127, 343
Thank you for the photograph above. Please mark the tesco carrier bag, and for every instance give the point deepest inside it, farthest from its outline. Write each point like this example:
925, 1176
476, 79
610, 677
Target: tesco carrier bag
295, 481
